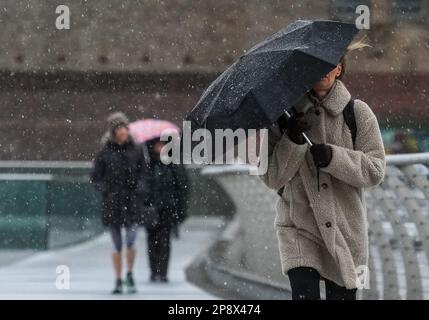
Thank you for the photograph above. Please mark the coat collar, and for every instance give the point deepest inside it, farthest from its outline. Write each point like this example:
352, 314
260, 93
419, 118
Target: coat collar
336, 100
114, 146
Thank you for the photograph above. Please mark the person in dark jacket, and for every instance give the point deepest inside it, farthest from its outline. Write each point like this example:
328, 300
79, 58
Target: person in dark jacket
168, 195
118, 175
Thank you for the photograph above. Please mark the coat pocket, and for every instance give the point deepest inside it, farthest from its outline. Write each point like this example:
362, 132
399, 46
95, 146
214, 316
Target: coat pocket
283, 218
288, 242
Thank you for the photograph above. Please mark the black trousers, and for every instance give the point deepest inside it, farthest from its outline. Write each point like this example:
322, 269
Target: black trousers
159, 249
305, 284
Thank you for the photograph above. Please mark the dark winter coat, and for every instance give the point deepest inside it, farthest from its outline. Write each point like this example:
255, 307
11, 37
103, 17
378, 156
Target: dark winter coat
119, 175
168, 192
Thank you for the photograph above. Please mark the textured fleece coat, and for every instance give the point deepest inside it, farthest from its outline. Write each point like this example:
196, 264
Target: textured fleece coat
326, 229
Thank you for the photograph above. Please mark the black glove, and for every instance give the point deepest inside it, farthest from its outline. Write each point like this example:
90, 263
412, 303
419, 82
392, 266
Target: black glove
296, 125
322, 154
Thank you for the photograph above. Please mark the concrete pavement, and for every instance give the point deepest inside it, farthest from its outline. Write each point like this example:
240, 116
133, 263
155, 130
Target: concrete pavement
91, 274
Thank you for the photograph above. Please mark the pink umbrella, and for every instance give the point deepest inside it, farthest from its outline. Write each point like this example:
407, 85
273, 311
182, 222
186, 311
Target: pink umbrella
148, 129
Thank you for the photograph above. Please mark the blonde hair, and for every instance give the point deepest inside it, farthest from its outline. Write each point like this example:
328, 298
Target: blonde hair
357, 45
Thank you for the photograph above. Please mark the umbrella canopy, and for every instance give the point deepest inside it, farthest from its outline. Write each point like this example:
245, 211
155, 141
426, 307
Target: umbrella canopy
148, 129
272, 76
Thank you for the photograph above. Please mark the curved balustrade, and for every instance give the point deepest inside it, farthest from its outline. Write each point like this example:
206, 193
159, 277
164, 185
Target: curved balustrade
398, 216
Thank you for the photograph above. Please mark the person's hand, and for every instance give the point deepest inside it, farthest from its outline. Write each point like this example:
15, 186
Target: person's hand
296, 125
322, 154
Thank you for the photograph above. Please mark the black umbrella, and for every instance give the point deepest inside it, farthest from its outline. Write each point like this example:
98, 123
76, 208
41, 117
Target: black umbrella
272, 76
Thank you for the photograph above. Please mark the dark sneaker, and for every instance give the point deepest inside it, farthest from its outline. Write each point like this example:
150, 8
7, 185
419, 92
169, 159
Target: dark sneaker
130, 284
118, 287
163, 279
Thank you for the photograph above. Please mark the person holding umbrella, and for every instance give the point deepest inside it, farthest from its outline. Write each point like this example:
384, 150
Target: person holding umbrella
324, 148
118, 173
167, 195
169, 189
321, 215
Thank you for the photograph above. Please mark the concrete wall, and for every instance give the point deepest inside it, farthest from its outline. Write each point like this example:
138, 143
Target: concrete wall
61, 116
154, 59
192, 35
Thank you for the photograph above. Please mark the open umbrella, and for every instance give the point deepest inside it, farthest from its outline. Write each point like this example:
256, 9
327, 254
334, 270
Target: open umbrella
148, 129
272, 76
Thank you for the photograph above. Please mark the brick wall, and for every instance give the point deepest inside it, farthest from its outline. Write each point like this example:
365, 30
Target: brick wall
61, 116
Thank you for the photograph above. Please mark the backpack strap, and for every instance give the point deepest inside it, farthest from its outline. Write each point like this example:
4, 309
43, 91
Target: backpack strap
350, 119
280, 191
282, 122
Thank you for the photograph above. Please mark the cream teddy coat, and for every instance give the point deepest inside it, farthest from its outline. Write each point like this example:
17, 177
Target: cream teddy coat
326, 229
